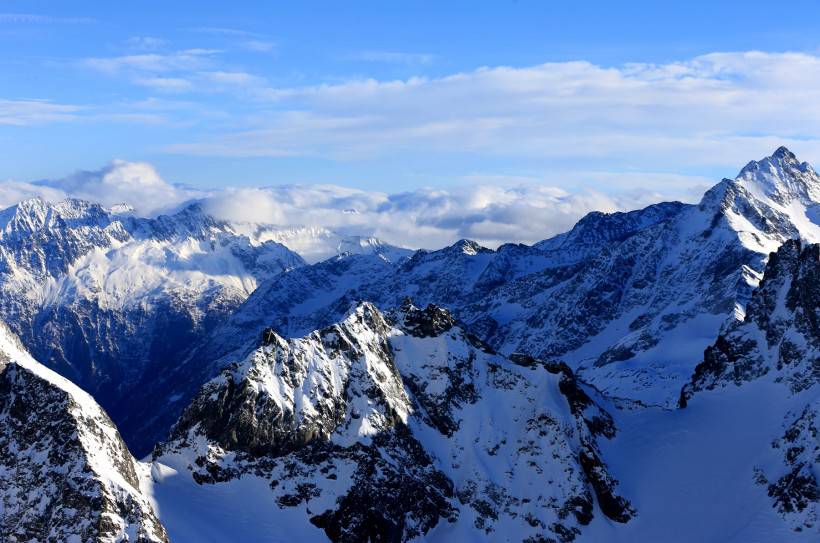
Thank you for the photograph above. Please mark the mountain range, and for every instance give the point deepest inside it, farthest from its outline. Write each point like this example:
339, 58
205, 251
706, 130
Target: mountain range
648, 375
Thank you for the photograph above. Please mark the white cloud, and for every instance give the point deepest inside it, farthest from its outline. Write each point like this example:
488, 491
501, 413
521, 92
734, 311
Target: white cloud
428, 218
13, 192
393, 57
27, 112
715, 109
135, 183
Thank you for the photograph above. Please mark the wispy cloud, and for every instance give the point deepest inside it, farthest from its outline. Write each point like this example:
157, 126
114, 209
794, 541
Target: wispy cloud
393, 57
260, 46
226, 31
184, 60
30, 18
145, 43
240, 79
28, 112
243, 39
714, 109
165, 84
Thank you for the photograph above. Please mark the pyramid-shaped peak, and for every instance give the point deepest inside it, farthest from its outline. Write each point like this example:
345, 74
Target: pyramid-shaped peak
468, 247
783, 153
781, 158
781, 177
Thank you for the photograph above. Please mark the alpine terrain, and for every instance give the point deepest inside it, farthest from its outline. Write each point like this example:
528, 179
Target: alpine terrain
651, 375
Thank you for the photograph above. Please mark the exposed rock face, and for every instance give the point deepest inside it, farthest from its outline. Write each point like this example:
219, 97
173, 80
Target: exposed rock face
793, 484
780, 335
66, 473
383, 428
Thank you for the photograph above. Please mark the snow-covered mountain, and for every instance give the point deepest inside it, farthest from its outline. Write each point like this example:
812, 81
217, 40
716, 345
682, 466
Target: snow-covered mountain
646, 376
316, 243
65, 473
389, 428
108, 299
628, 299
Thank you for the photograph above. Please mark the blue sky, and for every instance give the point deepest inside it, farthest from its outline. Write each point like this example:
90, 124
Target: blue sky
619, 97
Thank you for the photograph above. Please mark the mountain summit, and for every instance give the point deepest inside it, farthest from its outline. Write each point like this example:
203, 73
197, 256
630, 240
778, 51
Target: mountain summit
782, 178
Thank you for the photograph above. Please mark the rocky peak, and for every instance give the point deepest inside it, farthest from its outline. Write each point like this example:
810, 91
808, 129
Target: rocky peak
468, 247
34, 214
27, 216
428, 322
42, 239
380, 432
782, 178
191, 220
596, 229
333, 384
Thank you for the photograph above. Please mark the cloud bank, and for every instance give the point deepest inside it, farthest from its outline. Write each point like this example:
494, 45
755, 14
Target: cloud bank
134, 183
715, 109
424, 218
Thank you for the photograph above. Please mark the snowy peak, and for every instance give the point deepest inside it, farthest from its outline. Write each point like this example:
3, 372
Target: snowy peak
67, 474
335, 384
782, 178
387, 428
361, 245
316, 243
468, 247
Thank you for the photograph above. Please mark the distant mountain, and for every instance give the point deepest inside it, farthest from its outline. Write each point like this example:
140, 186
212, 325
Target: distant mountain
316, 243
66, 474
628, 299
107, 299
390, 428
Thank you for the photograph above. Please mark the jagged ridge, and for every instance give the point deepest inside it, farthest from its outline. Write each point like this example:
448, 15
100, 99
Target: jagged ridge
417, 400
